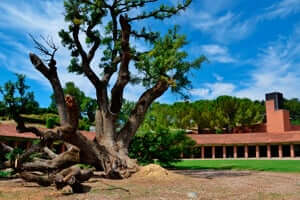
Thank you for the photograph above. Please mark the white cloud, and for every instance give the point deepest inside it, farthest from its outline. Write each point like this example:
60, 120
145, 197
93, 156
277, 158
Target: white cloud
213, 90
214, 53
277, 69
217, 21
200, 92
282, 9
218, 77
2, 57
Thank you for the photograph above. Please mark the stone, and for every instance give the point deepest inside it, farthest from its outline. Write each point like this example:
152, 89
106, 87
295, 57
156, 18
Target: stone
192, 195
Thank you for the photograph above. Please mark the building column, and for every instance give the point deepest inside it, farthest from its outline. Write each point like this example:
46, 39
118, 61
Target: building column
224, 151
213, 152
202, 152
235, 151
257, 151
269, 150
292, 150
280, 150
246, 151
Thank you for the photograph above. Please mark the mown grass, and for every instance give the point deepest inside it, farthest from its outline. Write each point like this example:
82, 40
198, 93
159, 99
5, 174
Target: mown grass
258, 165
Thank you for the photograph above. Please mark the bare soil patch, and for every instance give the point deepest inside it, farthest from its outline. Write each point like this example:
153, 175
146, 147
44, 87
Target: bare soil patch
155, 183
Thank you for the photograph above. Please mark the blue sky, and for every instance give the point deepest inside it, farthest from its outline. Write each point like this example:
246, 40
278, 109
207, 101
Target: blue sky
252, 46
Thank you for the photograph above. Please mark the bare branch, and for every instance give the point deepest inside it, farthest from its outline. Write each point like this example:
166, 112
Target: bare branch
43, 49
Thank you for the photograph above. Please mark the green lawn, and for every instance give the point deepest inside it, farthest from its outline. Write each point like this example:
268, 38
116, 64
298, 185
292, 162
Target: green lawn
259, 165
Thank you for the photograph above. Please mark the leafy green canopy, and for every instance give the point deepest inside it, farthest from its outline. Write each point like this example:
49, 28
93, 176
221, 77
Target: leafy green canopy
293, 105
221, 114
98, 22
167, 61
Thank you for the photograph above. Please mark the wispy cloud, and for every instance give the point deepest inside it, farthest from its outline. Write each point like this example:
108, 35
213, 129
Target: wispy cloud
225, 25
223, 28
214, 53
282, 9
277, 69
218, 77
213, 90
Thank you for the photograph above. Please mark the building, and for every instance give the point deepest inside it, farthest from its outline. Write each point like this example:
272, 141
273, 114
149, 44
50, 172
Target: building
276, 139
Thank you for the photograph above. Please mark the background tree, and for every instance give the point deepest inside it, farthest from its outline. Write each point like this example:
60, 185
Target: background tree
88, 108
249, 113
182, 115
17, 100
219, 115
293, 105
158, 115
2, 108
202, 114
87, 105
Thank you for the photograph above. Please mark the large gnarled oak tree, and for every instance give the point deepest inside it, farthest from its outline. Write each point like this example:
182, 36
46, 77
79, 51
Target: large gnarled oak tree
109, 26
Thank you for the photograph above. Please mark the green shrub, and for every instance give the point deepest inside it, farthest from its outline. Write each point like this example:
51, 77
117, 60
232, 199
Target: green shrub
5, 174
162, 144
85, 166
50, 123
84, 125
13, 154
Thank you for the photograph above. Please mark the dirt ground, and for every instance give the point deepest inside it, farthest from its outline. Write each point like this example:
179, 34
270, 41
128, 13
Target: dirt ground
155, 183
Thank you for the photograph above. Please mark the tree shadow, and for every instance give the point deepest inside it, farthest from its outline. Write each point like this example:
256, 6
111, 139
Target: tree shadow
210, 174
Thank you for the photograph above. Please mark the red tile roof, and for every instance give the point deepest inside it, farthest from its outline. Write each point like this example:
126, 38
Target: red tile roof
246, 138
9, 130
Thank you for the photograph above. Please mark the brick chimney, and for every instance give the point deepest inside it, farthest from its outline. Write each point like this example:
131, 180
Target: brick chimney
278, 119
